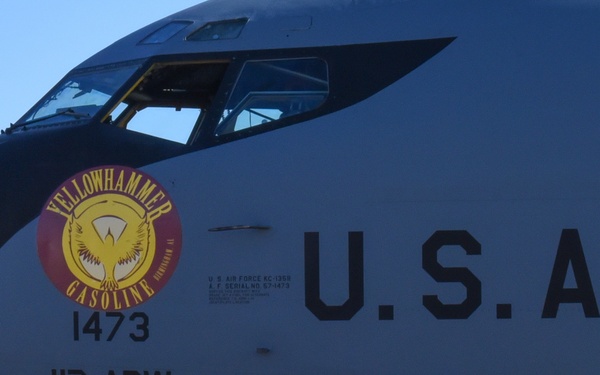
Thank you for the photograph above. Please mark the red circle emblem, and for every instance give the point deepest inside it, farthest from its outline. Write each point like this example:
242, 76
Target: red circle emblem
109, 238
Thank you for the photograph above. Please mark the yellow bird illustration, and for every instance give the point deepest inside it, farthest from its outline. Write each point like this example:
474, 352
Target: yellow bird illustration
109, 241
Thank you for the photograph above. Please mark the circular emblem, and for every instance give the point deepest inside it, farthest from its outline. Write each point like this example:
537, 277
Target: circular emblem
109, 238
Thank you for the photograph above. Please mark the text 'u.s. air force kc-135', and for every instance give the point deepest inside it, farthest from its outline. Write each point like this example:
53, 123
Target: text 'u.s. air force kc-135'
312, 187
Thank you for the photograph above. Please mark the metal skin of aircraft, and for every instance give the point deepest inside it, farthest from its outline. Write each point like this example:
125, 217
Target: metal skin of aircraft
311, 187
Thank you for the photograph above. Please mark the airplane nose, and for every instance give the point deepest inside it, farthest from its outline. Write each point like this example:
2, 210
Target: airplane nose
32, 164
22, 183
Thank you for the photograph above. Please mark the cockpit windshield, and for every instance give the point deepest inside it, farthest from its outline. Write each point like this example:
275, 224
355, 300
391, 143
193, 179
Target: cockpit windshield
79, 96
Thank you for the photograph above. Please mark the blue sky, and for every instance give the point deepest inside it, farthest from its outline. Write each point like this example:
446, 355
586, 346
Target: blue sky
43, 40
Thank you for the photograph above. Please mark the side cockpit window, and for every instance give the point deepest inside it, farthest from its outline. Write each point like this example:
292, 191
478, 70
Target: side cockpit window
170, 100
268, 91
79, 96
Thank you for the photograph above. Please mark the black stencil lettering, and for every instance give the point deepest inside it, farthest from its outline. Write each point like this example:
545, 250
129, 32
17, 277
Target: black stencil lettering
143, 332
386, 312
92, 326
570, 250
312, 283
504, 311
451, 274
120, 317
75, 326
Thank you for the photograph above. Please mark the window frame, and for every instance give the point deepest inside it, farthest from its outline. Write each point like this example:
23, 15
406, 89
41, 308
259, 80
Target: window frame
238, 71
128, 113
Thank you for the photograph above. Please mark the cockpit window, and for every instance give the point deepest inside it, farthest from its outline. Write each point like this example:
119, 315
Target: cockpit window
230, 29
271, 90
169, 100
166, 32
78, 96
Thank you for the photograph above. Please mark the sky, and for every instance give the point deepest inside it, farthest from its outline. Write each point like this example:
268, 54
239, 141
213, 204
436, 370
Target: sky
44, 40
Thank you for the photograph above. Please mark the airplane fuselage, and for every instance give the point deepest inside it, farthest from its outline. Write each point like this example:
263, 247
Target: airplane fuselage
359, 187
